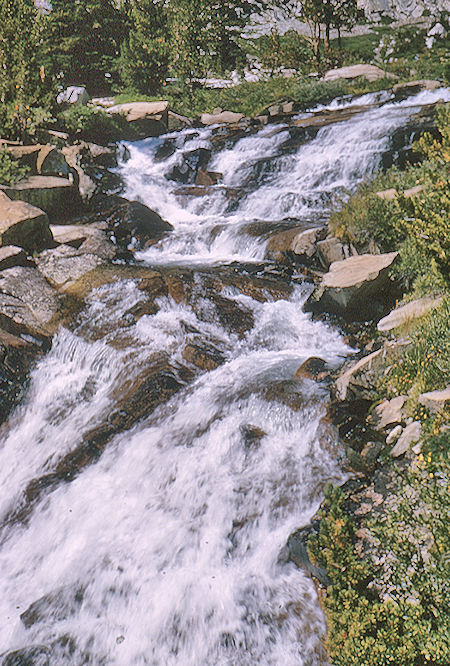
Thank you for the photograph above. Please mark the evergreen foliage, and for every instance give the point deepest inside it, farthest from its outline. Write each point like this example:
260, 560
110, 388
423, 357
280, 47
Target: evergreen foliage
145, 54
82, 41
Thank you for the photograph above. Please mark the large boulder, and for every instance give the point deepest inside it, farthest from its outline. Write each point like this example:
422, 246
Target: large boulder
28, 304
64, 265
297, 243
44, 160
407, 313
144, 118
354, 287
369, 72
56, 196
11, 255
23, 225
135, 223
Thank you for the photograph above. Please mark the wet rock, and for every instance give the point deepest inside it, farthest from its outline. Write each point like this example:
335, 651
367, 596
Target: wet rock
224, 117
207, 178
370, 454
56, 196
406, 313
64, 265
177, 122
410, 435
311, 368
354, 287
404, 90
23, 225
232, 315
134, 223
17, 356
203, 356
55, 606
435, 401
194, 161
369, 72
297, 546
37, 655
252, 436
11, 255
28, 304
297, 242
165, 150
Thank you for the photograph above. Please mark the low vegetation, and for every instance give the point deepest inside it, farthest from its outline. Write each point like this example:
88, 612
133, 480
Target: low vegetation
11, 171
390, 582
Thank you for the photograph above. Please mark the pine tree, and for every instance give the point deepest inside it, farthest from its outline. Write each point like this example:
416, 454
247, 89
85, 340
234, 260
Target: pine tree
82, 41
145, 54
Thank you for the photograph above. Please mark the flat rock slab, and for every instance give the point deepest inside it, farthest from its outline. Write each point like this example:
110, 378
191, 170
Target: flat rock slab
64, 265
11, 256
224, 117
23, 225
402, 315
140, 110
435, 401
28, 304
355, 285
369, 72
54, 195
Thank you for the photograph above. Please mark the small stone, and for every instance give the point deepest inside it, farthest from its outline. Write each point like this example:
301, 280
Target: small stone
417, 448
435, 401
390, 412
410, 435
394, 435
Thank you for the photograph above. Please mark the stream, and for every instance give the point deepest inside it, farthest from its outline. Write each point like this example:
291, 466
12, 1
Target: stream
170, 548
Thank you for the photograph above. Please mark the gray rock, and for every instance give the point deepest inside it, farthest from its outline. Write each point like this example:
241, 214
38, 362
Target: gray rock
23, 225
330, 250
410, 435
435, 401
11, 255
74, 95
145, 118
56, 196
360, 380
394, 435
408, 312
390, 412
64, 265
355, 285
369, 72
28, 304
304, 243
225, 117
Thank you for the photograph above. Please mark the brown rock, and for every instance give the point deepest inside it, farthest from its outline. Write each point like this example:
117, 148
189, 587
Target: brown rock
311, 368
23, 225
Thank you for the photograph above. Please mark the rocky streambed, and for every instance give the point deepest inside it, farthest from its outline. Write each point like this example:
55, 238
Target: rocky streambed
175, 427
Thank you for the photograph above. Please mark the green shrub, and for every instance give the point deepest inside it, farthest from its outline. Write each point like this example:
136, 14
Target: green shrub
410, 624
10, 169
426, 365
89, 124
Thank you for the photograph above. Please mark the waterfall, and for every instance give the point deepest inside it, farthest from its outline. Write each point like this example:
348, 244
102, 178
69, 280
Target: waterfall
170, 549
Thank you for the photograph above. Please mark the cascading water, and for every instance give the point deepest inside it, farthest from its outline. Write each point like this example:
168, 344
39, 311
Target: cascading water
169, 549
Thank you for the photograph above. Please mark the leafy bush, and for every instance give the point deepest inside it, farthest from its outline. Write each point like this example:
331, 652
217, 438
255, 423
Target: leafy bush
18, 122
10, 169
368, 626
94, 125
426, 365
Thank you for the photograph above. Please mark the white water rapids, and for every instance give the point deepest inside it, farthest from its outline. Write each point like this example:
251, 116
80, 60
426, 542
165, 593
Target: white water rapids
168, 550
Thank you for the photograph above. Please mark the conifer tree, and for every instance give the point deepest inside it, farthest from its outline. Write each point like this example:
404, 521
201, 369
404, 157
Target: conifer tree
82, 41
145, 54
